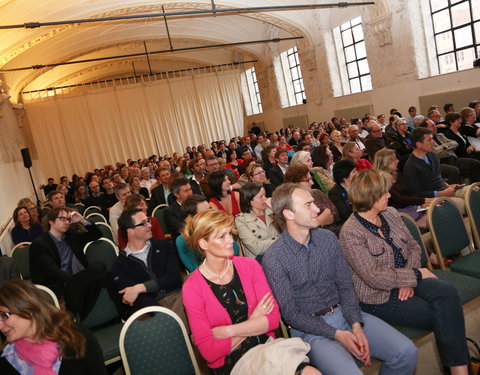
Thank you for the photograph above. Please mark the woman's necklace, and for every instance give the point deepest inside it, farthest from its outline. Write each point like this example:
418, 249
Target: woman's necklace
219, 275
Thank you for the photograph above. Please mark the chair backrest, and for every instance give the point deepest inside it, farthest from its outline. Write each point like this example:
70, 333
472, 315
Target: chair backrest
80, 207
472, 203
92, 209
21, 254
50, 295
96, 218
103, 311
159, 214
412, 227
157, 345
447, 227
103, 250
105, 229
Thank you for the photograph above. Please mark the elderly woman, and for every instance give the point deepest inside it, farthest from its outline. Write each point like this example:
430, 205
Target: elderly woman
224, 198
41, 338
138, 201
255, 173
386, 160
388, 278
343, 173
229, 304
352, 152
25, 229
255, 225
299, 174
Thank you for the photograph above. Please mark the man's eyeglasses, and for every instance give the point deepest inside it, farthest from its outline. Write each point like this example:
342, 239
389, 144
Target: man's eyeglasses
144, 223
4, 316
64, 218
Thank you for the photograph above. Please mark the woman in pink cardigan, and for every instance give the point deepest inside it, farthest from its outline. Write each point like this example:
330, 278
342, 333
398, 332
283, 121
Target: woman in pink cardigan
229, 304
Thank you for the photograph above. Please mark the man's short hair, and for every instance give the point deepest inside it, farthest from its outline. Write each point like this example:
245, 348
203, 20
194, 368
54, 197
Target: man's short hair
54, 212
447, 106
412, 108
119, 187
51, 194
178, 183
280, 153
211, 157
191, 163
160, 170
418, 135
105, 178
189, 207
282, 200
125, 221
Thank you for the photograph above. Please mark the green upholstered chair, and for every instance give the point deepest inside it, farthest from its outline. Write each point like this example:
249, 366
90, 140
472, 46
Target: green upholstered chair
92, 209
450, 238
80, 207
156, 344
468, 287
105, 229
104, 322
159, 213
101, 250
95, 217
472, 204
21, 255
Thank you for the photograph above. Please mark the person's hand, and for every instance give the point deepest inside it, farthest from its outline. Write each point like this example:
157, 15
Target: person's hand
405, 293
427, 203
264, 307
470, 149
427, 274
354, 345
448, 192
131, 293
362, 343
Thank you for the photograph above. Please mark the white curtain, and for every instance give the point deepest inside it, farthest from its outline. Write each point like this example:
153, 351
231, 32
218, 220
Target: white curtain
79, 132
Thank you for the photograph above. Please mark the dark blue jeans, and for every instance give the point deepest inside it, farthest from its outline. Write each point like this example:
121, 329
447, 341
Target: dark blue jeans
435, 307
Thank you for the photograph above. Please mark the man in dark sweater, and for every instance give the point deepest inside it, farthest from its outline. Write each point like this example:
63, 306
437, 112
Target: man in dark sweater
147, 271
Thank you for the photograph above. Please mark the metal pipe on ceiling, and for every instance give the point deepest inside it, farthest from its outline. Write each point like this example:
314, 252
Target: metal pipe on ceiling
141, 75
214, 11
275, 40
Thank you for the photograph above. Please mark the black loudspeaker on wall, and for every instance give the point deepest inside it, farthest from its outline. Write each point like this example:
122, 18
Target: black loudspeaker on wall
27, 161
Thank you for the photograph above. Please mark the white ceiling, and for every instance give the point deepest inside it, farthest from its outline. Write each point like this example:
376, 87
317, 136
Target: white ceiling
63, 43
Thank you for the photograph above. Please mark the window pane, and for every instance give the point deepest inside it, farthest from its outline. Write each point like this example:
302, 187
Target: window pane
356, 21
477, 32
465, 58
363, 67
295, 74
444, 42
463, 37
291, 60
297, 87
347, 37
350, 53
361, 50
441, 21
357, 33
438, 4
345, 26
460, 14
355, 85
352, 69
447, 63
298, 98
476, 9
366, 82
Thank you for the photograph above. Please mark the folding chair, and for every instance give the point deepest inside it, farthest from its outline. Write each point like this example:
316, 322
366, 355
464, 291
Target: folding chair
472, 205
101, 250
21, 254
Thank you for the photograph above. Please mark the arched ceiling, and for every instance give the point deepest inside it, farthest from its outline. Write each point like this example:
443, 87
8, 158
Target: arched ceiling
64, 43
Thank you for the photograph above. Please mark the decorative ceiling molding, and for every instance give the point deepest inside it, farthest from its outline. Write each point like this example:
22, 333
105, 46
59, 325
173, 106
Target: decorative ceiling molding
16, 50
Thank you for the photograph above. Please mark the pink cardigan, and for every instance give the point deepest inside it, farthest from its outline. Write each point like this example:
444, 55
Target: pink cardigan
205, 312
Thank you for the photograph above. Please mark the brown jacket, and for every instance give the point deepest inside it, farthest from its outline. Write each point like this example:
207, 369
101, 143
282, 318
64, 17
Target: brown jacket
371, 258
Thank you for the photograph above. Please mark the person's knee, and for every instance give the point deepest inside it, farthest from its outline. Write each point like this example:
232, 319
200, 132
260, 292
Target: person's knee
408, 353
446, 291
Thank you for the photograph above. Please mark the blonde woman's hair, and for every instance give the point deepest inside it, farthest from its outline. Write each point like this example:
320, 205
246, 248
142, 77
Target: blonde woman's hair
202, 225
347, 149
382, 161
367, 187
334, 133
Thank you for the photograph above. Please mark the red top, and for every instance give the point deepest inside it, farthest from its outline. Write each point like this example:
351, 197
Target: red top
157, 232
286, 147
363, 164
235, 206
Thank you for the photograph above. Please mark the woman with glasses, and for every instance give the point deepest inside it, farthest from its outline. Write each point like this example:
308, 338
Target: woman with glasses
42, 339
138, 201
255, 173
